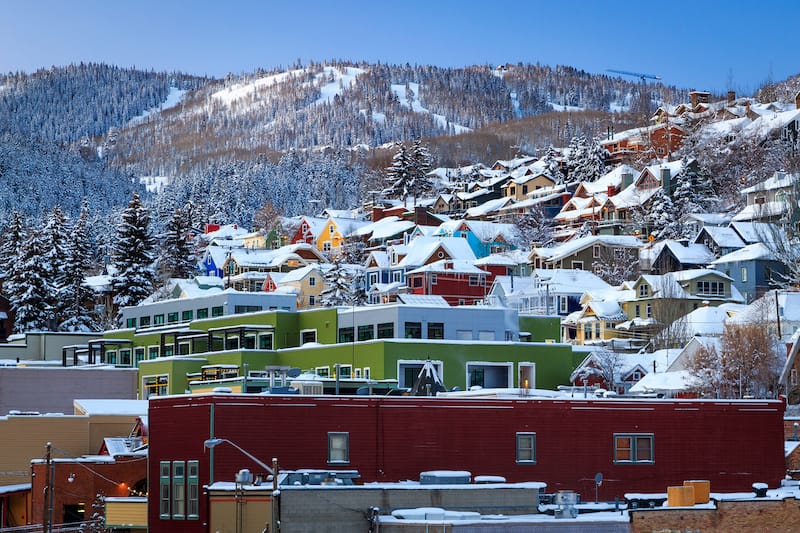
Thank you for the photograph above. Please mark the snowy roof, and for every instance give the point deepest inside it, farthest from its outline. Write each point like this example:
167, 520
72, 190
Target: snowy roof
420, 250
766, 124
609, 179
694, 273
751, 232
447, 266
111, 407
575, 245
423, 299
779, 180
500, 259
761, 211
300, 273
268, 258
383, 228
607, 309
569, 281
489, 207
511, 164
675, 381
228, 231
709, 219
751, 252
315, 224
686, 253
724, 236
485, 231
706, 321
380, 258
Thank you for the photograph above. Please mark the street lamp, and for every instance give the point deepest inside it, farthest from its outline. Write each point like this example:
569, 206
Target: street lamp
213, 442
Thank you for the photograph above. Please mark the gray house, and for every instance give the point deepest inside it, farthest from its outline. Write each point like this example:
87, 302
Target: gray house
753, 269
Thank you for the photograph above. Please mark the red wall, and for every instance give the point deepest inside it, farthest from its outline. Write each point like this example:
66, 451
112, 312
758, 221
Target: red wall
730, 443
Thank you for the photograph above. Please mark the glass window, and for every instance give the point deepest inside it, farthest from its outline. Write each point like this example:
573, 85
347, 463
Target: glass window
436, 330
323, 371
130, 323
202, 313
473, 281
338, 447
187, 315
413, 330
144, 321
309, 335
164, 489
178, 490
111, 357
216, 311
158, 320
526, 448
346, 334
312, 300
152, 352
366, 333
172, 317
386, 330
633, 448
312, 281
265, 341
345, 371
193, 493
125, 357
138, 354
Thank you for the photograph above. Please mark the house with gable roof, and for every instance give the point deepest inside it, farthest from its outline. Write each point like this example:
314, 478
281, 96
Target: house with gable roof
771, 200
484, 237
582, 252
720, 240
671, 255
659, 140
753, 268
306, 282
459, 282
526, 179
422, 251
595, 323
246, 269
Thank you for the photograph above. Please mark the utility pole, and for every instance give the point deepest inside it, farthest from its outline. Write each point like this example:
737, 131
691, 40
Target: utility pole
47, 517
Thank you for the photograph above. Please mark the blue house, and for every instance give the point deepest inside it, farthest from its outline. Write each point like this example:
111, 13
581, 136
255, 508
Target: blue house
485, 238
754, 270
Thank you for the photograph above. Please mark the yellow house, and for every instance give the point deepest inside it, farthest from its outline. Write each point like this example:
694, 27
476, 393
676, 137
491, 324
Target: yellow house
519, 188
307, 283
254, 241
595, 323
334, 231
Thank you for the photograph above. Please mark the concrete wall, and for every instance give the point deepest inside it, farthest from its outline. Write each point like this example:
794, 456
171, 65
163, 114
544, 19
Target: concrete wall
346, 510
53, 389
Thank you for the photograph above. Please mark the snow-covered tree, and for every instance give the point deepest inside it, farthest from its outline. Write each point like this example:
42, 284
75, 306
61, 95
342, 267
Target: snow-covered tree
75, 298
586, 161
13, 237
662, 217
338, 286
132, 256
552, 166
56, 244
407, 175
30, 298
693, 189
533, 229
615, 265
177, 259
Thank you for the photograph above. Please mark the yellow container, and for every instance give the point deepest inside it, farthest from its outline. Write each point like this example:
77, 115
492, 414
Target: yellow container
680, 496
702, 489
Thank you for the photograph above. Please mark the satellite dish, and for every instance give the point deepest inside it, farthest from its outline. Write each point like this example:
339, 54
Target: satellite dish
598, 478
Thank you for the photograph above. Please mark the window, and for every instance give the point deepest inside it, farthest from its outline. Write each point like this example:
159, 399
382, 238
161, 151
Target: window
202, 313
178, 490
144, 321
486, 335
312, 281
473, 281
386, 330
577, 265
744, 274
152, 352
138, 354
562, 304
172, 317
187, 315
312, 300
164, 489
155, 386
125, 357
130, 323
416, 281
712, 288
308, 335
633, 448
793, 377
239, 309
338, 447
158, 320
413, 330
638, 311
643, 290
345, 371
366, 333
649, 309
346, 334
366, 372
323, 371
596, 251
111, 357
434, 279
265, 341
436, 330
526, 448
216, 311
326, 246
193, 492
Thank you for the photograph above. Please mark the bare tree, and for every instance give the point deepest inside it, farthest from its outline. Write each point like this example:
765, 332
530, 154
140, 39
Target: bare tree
616, 265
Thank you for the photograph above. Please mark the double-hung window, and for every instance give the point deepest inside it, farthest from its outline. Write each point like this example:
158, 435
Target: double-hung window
634, 448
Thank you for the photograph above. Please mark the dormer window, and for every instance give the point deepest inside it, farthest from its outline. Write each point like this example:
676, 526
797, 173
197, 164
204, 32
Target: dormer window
643, 291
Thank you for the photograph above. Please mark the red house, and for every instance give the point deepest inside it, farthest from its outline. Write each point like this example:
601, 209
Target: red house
458, 282
638, 445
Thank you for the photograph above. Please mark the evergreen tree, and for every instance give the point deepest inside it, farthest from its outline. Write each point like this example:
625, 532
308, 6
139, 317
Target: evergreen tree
339, 283
75, 297
400, 175
662, 216
422, 164
30, 303
56, 245
177, 255
552, 167
586, 160
132, 256
13, 237
693, 189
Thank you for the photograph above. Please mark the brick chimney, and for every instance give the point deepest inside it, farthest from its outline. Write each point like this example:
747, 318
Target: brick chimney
377, 213
797, 101
731, 97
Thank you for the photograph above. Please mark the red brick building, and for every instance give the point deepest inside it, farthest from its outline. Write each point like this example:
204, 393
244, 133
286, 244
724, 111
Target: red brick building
639, 446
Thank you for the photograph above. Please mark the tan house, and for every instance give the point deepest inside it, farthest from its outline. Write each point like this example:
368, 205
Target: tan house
307, 283
581, 253
519, 188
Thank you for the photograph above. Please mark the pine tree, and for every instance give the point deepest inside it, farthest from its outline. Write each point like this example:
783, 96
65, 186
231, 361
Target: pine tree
400, 175
30, 304
132, 256
177, 256
56, 244
13, 237
75, 297
693, 190
422, 164
662, 217
338, 282
551, 165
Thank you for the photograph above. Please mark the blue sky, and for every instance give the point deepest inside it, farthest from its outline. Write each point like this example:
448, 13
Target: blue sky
710, 45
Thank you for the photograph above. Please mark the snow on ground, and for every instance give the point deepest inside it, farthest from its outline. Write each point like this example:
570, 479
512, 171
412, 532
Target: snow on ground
154, 183
173, 98
341, 79
411, 100
559, 107
242, 90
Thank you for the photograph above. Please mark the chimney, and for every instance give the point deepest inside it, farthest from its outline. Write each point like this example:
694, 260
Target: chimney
377, 213
611, 191
565, 197
627, 179
693, 95
665, 180
797, 100
731, 97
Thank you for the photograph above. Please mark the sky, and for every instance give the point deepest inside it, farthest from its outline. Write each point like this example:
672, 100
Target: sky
711, 45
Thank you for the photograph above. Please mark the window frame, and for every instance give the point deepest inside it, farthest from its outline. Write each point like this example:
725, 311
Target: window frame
178, 499
633, 448
165, 490
333, 436
520, 436
193, 490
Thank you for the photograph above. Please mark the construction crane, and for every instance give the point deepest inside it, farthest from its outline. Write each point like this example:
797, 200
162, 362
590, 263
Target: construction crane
635, 74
